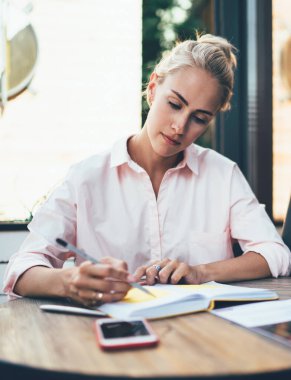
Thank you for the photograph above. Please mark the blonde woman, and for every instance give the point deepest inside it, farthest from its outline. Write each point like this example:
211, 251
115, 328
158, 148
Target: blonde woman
160, 206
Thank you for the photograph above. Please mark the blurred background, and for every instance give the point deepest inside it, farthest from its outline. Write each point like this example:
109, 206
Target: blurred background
72, 73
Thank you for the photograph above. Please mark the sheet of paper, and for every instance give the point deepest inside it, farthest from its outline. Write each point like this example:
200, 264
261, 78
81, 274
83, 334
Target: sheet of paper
257, 314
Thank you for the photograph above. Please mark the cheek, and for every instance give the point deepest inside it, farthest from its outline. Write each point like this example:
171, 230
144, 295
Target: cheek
155, 116
196, 132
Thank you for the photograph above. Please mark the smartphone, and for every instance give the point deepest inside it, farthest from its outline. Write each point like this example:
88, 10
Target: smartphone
118, 333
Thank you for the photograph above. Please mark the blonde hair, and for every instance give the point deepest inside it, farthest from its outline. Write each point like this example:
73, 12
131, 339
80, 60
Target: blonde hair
211, 53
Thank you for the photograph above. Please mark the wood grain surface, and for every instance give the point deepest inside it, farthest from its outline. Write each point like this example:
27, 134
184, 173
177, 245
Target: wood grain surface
192, 345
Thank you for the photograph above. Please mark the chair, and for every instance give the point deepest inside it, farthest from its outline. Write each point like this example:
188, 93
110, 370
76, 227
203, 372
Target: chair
286, 233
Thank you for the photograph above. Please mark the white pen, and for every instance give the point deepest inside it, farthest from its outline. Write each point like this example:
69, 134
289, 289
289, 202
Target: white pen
85, 256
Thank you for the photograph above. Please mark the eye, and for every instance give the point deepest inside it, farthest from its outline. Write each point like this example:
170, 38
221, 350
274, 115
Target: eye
175, 106
199, 121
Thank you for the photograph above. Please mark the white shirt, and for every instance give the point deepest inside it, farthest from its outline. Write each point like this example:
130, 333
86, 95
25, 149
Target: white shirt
107, 206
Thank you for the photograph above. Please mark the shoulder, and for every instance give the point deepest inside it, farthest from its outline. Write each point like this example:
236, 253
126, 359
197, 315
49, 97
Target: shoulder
210, 160
101, 166
221, 170
91, 166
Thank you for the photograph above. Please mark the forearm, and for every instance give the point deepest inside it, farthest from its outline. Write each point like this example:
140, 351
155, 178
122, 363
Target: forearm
249, 266
42, 281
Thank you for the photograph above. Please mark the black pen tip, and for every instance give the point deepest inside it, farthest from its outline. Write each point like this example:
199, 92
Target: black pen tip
61, 242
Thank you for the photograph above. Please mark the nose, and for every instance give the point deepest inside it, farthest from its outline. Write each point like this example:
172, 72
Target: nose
179, 124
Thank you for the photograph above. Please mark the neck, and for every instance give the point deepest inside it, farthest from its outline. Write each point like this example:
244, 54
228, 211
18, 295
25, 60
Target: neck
141, 151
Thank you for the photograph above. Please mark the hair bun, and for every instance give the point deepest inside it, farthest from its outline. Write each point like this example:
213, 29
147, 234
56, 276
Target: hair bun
222, 44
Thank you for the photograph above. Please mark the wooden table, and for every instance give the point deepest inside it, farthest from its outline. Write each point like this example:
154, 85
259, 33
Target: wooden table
194, 345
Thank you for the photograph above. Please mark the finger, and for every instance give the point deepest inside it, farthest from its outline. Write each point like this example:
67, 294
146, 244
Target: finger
103, 270
119, 264
180, 272
166, 272
139, 273
88, 295
151, 275
75, 297
153, 271
113, 297
94, 298
104, 285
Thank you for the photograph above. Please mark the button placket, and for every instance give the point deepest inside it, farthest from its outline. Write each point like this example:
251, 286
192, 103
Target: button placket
154, 224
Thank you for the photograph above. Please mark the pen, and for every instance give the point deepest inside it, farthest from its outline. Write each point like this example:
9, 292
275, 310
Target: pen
85, 256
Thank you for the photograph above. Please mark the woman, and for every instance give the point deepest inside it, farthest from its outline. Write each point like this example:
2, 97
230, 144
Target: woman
158, 205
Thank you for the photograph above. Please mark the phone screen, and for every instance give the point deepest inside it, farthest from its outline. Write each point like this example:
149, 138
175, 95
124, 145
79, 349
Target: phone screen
123, 329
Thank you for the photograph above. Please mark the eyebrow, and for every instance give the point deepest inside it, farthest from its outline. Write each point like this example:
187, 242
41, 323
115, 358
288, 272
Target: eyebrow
187, 104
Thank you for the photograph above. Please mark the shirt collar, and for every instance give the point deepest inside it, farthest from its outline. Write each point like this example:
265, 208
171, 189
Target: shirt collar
119, 153
192, 156
120, 156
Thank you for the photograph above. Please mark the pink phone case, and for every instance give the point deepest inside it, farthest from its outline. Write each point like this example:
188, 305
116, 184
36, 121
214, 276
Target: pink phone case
117, 344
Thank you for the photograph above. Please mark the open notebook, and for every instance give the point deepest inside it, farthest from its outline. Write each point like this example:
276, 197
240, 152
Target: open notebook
174, 300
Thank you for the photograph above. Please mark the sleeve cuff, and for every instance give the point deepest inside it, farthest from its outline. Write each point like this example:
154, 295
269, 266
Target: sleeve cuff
13, 272
277, 256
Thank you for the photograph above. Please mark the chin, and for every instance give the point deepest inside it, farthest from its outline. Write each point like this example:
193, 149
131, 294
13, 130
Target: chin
166, 153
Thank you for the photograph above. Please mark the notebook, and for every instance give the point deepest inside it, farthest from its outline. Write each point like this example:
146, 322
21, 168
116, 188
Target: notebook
174, 300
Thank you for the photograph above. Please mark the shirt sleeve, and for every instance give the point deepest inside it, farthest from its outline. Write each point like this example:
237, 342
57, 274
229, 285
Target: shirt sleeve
253, 229
56, 218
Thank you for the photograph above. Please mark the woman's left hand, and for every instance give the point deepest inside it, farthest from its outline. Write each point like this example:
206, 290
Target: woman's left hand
169, 272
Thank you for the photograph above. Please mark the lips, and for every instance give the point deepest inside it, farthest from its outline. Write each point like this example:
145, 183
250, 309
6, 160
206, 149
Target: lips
170, 140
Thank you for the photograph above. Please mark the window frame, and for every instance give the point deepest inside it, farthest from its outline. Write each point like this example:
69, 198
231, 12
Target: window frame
245, 134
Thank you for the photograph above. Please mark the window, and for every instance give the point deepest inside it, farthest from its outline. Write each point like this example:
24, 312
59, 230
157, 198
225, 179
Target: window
281, 107
85, 93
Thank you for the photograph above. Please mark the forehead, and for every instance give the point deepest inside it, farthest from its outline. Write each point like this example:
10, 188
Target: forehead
197, 86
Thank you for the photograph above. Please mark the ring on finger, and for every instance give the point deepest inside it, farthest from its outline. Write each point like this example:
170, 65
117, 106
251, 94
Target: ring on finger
157, 267
99, 296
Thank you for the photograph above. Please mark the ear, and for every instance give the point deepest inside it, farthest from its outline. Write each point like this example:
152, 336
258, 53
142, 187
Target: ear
152, 85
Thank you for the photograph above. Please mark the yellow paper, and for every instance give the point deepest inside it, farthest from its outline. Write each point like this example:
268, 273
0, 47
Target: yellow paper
137, 296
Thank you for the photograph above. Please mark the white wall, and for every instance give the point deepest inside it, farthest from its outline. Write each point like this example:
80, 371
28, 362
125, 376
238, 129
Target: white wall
10, 241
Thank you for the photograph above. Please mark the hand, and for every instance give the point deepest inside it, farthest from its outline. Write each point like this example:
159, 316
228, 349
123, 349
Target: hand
119, 264
92, 284
170, 271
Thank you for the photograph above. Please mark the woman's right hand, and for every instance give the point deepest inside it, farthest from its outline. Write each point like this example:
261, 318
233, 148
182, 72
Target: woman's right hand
92, 284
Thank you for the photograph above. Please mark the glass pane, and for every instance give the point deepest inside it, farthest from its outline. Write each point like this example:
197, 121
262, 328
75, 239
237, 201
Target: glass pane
80, 100
281, 107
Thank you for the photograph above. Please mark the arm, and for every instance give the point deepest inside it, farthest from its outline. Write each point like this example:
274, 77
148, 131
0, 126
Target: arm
37, 268
251, 265
42, 281
85, 284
